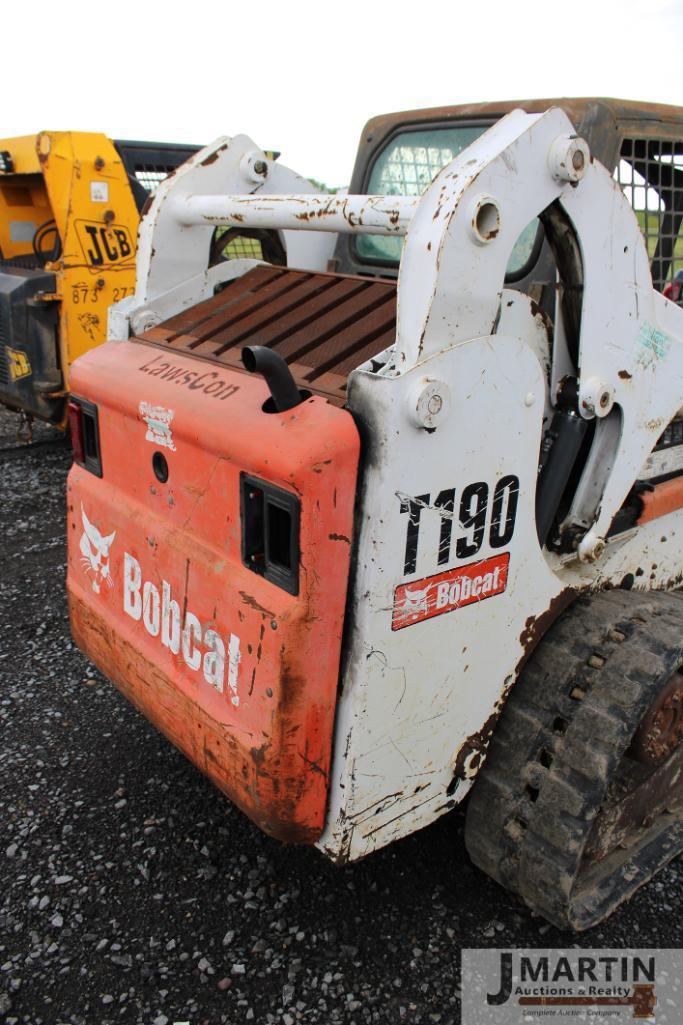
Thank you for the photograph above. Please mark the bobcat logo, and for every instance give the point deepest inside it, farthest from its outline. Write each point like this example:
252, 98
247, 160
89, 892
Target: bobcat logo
95, 553
413, 602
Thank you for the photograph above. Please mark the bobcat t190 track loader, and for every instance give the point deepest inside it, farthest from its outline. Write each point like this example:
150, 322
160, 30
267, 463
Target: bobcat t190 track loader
362, 548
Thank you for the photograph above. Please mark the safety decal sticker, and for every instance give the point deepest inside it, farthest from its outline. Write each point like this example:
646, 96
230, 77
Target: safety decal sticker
445, 592
99, 192
653, 346
158, 420
18, 362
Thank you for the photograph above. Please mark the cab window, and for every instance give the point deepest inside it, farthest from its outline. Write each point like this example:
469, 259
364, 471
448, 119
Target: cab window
406, 166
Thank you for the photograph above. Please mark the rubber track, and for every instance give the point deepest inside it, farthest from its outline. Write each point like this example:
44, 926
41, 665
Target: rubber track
559, 743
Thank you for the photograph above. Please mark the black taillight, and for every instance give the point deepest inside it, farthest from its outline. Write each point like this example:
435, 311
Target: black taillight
270, 532
85, 434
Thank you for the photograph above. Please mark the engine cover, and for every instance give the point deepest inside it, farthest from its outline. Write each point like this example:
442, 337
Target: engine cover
208, 569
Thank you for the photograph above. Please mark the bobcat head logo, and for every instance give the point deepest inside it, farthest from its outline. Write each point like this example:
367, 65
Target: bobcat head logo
95, 553
414, 601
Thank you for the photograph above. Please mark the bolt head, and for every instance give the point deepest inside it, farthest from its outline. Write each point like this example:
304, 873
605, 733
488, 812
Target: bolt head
429, 403
591, 547
598, 549
568, 157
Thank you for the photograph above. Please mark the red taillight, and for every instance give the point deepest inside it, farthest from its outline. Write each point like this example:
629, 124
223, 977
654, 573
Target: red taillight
85, 434
76, 431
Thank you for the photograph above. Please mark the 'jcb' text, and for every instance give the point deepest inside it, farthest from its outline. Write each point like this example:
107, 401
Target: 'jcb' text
104, 243
202, 647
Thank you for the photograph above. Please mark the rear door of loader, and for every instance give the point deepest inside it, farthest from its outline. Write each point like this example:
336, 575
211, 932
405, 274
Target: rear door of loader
209, 554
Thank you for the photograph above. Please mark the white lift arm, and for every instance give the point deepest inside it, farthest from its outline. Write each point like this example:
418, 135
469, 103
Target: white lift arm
459, 237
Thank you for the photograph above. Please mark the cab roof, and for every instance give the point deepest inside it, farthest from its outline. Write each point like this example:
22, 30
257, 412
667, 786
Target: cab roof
576, 108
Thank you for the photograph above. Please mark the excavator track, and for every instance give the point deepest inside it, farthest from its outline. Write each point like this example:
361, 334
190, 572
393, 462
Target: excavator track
580, 801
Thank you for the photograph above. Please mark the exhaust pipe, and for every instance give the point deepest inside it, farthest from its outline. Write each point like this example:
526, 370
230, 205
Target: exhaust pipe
258, 359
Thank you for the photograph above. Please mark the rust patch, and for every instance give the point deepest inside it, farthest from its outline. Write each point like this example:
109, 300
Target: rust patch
252, 603
536, 626
258, 757
624, 375
259, 650
323, 211
472, 753
267, 786
661, 730
213, 157
537, 311
315, 767
473, 750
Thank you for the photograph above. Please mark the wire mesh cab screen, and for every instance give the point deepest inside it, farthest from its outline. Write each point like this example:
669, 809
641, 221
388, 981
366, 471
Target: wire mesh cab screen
406, 166
150, 162
149, 176
650, 173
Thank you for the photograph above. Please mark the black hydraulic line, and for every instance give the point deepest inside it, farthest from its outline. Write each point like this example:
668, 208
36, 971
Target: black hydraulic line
39, 236
561, 449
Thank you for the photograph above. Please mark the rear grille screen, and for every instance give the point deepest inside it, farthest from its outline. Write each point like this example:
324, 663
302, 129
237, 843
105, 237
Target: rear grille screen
323, 325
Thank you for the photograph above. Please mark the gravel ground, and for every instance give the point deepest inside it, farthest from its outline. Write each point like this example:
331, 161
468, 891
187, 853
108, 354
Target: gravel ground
132, 891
